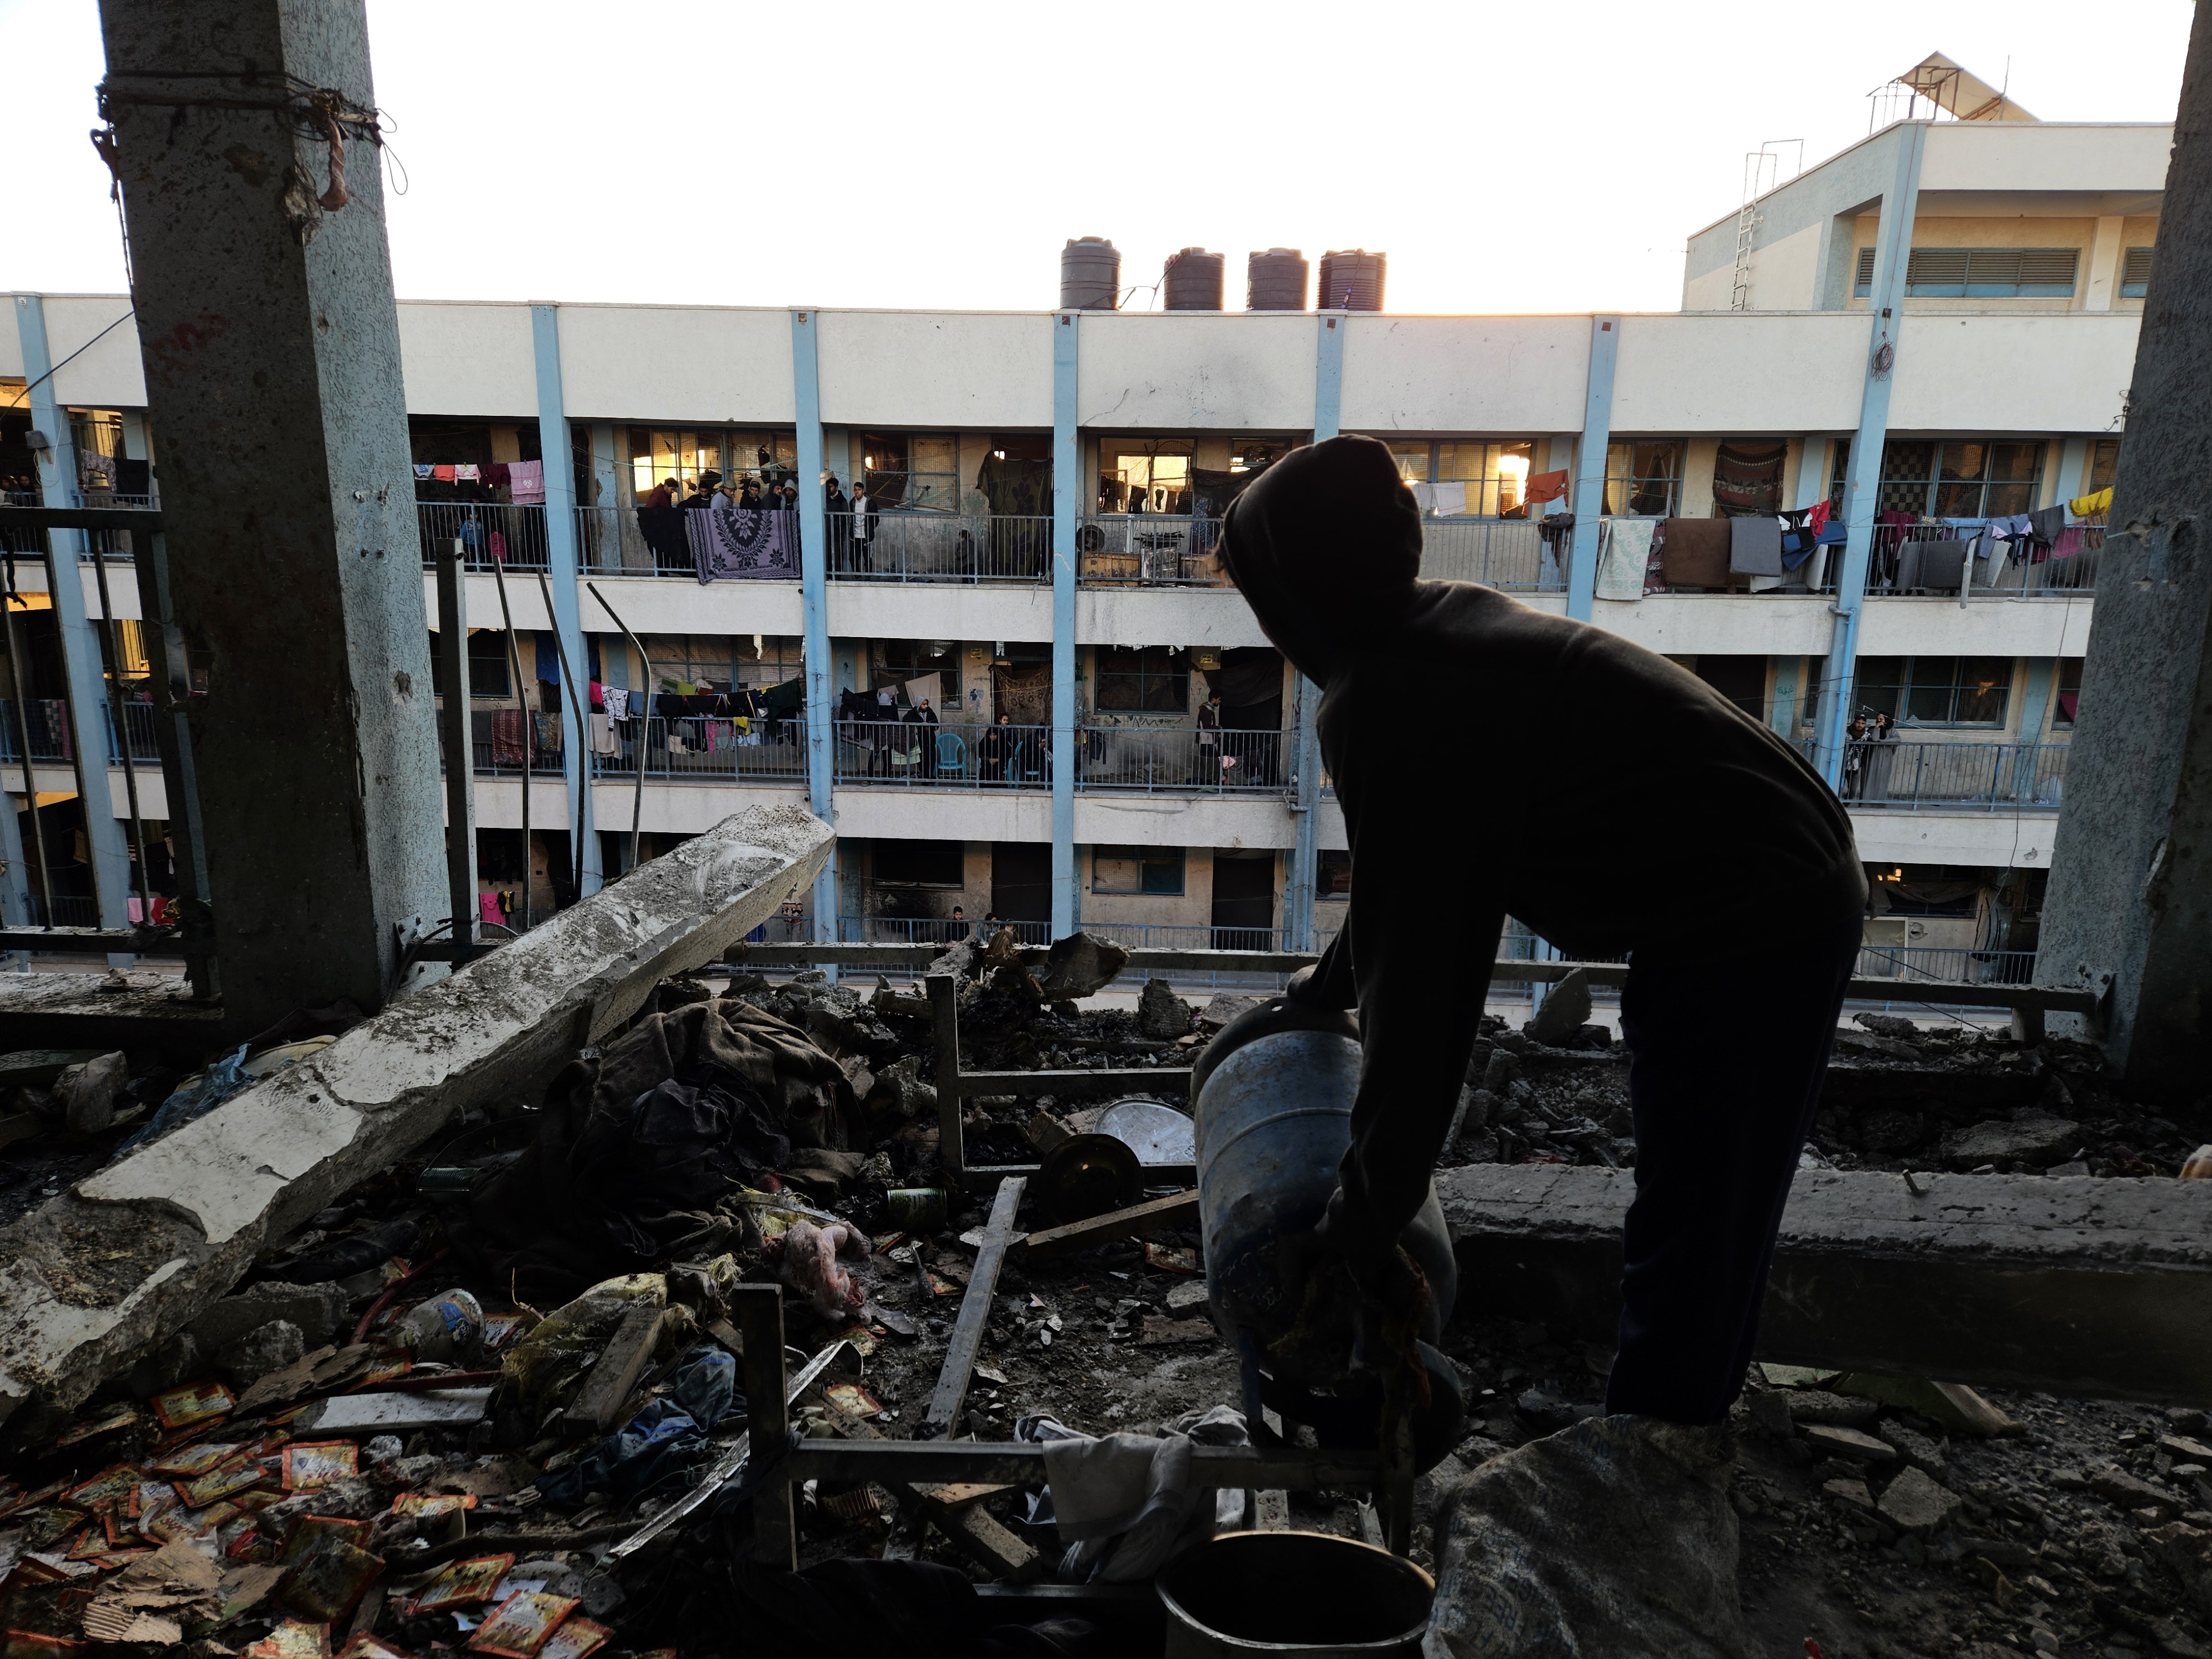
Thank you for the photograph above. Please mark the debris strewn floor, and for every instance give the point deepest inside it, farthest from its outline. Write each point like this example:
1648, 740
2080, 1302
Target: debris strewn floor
377, 1440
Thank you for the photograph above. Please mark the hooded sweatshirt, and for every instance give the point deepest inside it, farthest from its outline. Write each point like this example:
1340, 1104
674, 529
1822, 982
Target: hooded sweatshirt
1494, 760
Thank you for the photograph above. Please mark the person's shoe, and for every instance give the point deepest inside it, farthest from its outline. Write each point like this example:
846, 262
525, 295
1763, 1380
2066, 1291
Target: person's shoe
1611, 1540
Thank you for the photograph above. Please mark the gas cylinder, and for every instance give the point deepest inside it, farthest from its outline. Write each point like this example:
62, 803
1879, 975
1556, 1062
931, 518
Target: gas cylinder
1272, 1098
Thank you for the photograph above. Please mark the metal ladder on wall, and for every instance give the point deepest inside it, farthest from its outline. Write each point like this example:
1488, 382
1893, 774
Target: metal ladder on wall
1762, 170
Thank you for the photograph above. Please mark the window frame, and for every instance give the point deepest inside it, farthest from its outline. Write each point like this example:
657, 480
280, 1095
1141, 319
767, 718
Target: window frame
2131, 260
1146, 860
1634, 483
2066, 682
944, 485
1146, 678
1928, 273
1891, 493
1958, 683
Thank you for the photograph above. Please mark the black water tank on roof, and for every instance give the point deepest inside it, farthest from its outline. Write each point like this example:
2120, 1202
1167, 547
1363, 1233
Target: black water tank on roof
1194, 280
1275, 280
1351, 280
1090, 275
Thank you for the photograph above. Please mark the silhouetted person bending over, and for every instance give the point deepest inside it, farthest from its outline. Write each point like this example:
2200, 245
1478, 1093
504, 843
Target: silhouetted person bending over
1621, 805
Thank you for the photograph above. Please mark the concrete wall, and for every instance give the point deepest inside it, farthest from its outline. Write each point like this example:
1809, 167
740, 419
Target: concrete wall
459, 358
704, 365
931, 370
1509, 376
1151, 370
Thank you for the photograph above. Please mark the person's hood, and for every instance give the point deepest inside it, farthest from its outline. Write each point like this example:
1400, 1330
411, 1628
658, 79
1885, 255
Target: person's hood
1325, 546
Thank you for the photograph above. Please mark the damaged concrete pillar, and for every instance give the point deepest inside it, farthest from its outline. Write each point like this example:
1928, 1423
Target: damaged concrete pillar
272, 345
2131, 897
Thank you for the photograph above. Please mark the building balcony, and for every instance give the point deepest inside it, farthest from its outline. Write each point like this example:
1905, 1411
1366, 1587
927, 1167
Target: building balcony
1952, 777
940, 547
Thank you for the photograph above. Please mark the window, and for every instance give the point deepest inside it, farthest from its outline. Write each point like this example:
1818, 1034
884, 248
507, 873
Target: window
1926, 890
1332, 875
1496, 475
1980, 273
1150, 870
719, 660
898, 661
1956, 478
1154, 680
913, 470
488, 665
2104, 465
658, 453
1935, 690
1144, 475
919, 863
2067, 703
1809, 689
2135, 273
1644, 479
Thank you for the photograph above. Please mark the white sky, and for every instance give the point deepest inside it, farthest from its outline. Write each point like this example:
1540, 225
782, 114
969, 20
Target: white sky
1554, 157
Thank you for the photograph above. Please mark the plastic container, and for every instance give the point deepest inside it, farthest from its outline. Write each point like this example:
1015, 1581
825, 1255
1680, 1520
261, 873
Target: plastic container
1090, 275
1192, 280
444, 1329
1293, 1592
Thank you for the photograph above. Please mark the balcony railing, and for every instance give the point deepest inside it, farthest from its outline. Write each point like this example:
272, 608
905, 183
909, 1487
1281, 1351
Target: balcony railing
1176, 760
952, 756
1143, 549
489, 533
1948, 776
51, 738
940, 547
1504, 553
934, 930
1939, 965
703, 749
2070, 567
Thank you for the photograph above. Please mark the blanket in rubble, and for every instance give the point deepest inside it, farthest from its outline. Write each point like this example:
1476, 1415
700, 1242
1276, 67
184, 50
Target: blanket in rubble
639, 1147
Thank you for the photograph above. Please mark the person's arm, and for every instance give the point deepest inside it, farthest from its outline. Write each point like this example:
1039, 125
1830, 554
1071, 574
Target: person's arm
1422, 932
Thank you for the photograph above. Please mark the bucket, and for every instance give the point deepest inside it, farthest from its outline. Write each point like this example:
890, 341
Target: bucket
1303, 1593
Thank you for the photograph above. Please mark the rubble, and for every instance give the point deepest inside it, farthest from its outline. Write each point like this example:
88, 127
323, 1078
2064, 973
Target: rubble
432, 1492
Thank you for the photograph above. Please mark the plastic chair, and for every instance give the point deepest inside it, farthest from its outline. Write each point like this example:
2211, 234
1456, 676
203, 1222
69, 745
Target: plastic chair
952, 756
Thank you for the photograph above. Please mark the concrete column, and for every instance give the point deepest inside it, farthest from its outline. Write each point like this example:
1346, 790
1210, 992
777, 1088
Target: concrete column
1067, 496
1862, 483
80, 653
1812, 469
1590, 467
568, 609
271, 347
2035, 718
2105, 257
2072, 468
814, 595
1782, 709
2131, 898
1301, 873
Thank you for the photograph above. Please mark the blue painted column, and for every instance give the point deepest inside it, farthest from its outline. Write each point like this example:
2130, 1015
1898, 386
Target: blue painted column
2034, 719
561, 572
1068, 494
1590, 467
1862, 480
1301, 879
87, 679
814, 597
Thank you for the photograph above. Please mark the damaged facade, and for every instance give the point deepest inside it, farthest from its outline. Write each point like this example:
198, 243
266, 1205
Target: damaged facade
1112, 792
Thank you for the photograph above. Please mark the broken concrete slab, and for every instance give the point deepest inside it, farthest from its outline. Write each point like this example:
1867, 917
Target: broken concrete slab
2041, 1141
1566, 1006
2096, 1288
315, 1308
1079, 966
394, 1413
104, 1272
1161, 1014
87, 1091
1913, 1502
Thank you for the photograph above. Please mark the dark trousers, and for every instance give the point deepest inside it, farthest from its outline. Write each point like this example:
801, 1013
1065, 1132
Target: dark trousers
1726, 1056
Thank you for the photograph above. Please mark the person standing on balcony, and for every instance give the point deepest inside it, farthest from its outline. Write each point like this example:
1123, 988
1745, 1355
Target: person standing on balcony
661, 494
1590, 820
1209, 741
1880, 756
841, 526
1855, 756
864, 525
995, 749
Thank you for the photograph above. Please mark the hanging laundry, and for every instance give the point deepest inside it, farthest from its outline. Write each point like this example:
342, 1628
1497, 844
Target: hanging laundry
1624, 553
743, 543
2045, 522
1754, 546
1816, 516
1748, 478
1423, 494
618, 701
527, 481
1547, 486
467, 472
2071, 540
603, 736
488, 909
423, 469
599, 697
1447, 499
2088, 506
495, 475
506, 730
442, 474
548, 734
